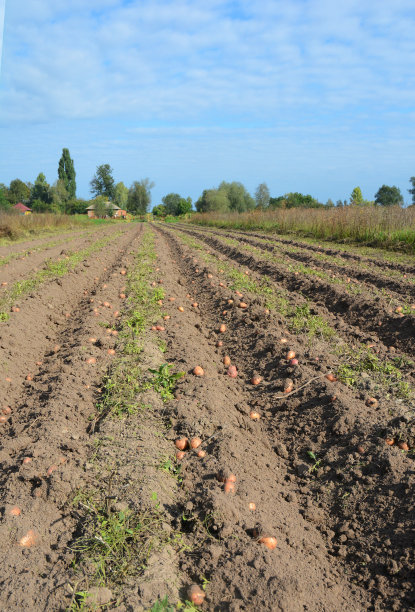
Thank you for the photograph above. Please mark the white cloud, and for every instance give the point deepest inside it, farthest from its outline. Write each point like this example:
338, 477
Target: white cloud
163, 60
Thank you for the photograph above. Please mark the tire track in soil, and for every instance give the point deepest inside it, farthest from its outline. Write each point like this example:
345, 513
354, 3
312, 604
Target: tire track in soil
401, 289
48, 424
355, 311
403, 267
375, 547
243, 574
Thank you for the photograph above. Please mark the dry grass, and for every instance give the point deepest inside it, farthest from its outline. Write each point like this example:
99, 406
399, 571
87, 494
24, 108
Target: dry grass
391, 228
16, 227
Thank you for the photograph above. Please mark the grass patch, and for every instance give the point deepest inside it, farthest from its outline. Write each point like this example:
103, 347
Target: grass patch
126, 378
387, 374
117, 544
390, 228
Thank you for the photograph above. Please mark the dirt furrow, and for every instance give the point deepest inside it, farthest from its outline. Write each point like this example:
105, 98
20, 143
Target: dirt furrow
382, 258
322, 451
44, 439
242, 574
29, 262
357, 311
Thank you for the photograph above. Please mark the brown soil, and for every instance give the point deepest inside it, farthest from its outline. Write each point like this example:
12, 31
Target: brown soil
342, 521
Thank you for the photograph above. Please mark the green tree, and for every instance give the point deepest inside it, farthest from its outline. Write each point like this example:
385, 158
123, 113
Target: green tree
300, 200
356, 197
388, 196
121, 195
185, 206
18, 192
67, 174
60, 196
329, 203
76, 207
213, 200
279, 202
4, 202
139, 196
239, 198
412, 191
159, 210
171, 203
41, 190
102, 208
262, 196
102, 183
175, 205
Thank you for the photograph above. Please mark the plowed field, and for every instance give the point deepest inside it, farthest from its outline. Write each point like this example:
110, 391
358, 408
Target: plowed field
303, 407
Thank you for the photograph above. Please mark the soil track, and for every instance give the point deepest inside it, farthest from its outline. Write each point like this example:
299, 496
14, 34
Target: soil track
47, 342
345, 436
362, 311
401, 280
315, 463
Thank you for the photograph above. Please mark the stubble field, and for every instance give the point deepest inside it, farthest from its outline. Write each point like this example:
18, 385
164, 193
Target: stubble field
304, 411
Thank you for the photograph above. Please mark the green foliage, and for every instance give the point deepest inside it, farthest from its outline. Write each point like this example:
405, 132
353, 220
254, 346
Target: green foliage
412, 191
67, 174
18, 192
102, 208
159, 211
213, 200
102, 183
294, 200
117, 544
262, 196
175, 205
121, 195
162, 606
4, 202
139, 196
239, 198
41, 192
388, 196
164, 381
356, 196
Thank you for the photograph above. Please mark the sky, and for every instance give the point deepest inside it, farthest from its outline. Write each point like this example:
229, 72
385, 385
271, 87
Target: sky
314, 96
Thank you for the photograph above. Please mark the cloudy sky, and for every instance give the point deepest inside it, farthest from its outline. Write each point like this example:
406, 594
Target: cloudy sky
307, 95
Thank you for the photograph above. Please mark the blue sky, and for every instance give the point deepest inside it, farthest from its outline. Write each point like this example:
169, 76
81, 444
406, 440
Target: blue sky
307, 95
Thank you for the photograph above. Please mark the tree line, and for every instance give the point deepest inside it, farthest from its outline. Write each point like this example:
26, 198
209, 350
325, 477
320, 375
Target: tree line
60, 197
227, 197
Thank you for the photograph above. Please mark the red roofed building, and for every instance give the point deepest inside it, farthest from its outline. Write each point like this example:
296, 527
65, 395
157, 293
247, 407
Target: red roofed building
23, 210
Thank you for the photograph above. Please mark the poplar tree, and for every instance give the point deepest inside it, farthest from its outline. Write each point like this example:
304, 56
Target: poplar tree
66, 173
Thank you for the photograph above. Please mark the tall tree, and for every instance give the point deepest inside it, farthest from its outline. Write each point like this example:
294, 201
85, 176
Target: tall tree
102, 182
213, 200
41, 190
356, 197
60, 196
67, 174
18, 192
139, 196
121, 195
262, 196
4, 202
388, 196
239, 198
412, 191
101, 207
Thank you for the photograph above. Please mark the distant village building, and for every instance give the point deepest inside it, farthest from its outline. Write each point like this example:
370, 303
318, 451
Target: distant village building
22, 209
113, 211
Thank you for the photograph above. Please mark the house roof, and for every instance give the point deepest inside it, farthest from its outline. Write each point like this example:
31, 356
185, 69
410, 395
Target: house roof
107, 204
22, 207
